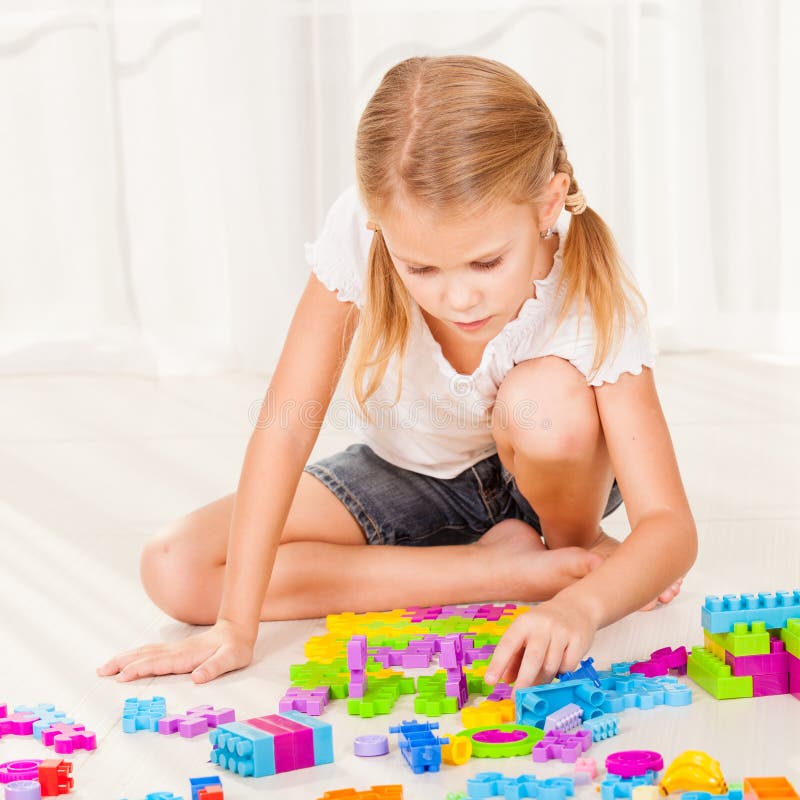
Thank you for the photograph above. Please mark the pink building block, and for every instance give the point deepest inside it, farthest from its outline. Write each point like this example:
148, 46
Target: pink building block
307, 701
68, 738
27, 770
794, 676
587, 765
776, 661
213, 716
17, 724
661, 662
559, 744
293, 742
764, 685
196, 721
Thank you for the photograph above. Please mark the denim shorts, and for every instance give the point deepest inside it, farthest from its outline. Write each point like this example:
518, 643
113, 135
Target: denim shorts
398, 506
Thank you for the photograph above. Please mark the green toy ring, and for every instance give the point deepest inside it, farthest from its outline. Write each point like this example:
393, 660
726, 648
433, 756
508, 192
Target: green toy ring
502, 741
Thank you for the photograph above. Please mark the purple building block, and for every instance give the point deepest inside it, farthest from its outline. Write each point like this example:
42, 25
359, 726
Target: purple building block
451, 658
356, 663
307, 701
566, 746
776, 661
196, 721
502, 691
564, 719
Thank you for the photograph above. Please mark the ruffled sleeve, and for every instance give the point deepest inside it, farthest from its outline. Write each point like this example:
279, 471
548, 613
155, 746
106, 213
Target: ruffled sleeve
339, 255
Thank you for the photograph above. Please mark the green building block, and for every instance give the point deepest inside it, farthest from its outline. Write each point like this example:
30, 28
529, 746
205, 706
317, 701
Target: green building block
434, 705
519, 747
747, 639
714, 675
791, 637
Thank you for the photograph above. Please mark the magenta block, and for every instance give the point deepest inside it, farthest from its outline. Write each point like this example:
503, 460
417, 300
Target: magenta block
3, 709
452, 652
26, 770
68, 738
764, 685
633, 763
293, 742
17, 724
794, 676
777, 661
496, 736
661, 662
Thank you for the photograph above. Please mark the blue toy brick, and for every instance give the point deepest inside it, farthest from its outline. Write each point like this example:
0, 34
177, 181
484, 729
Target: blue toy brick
323, 735
614, 787
243, 749
733, 794
143, 715
602, 727
48, 715
586, 671
534, 703
421, 749
162, 796
495, 784
719, 614
196, 784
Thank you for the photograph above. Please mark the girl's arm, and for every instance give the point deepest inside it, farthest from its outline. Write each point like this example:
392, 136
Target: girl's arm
294, 407
660, 548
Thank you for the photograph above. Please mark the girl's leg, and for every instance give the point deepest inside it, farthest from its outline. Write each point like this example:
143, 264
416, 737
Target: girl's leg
324, 565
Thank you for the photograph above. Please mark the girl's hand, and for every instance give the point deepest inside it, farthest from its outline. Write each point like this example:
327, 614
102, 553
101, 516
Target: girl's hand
550, 638
207, 655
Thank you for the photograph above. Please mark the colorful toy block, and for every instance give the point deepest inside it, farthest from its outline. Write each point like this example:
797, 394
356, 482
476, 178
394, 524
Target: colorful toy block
356, 663
635, 691
719, 614
47, 715
634, 763
68, 738
272, 744
535, 703
23, 790
457, 751
55, 777
585, 672
565, 746
776, 660
389, 792
143, 715
489, 712
371, 745
495, 784
502, 741
768, 789
790, 636
662, 662
587, 766
714, 675
614, 786
564, 719
17, 724
602, 727
21, 770
309, 701
205, 788
421, 749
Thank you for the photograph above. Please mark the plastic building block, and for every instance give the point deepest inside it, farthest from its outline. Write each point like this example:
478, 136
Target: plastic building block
309, 701
23, 790
713, 675
566, 718
27, 770
356, 663
243, 749
585, 672
55, 777
535, 703
322, 735
388, 792
768, 789
662, 662
615, 786
635, 691
68, 738
634, 763
47, 715
764, 685
489, 712
293, 743
776, 661
162, 796
371, 745
451, 657
602, 727
790, 636
719, 614
586, 765
502, 741
421, 749
196, 721
458, 751
17, 724
501, 691
734, 793
794, 676
381, 696
693, 770
143, 715
211, 793
565, 746
645, 793
198, 785
495, 784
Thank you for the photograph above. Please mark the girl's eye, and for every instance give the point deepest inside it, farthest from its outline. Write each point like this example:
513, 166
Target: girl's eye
477, 264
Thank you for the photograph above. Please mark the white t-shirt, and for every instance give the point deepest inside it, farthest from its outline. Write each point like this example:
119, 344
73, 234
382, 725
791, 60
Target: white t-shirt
442, 422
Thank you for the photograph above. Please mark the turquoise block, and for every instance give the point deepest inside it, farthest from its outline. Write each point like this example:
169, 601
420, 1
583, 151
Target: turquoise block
323, 735
242, 749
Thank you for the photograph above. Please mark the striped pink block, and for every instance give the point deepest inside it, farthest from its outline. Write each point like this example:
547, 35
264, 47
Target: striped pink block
794, 676
764, 685
776, 661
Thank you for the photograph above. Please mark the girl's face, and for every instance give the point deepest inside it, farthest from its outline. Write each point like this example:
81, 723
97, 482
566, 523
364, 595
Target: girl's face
479, 270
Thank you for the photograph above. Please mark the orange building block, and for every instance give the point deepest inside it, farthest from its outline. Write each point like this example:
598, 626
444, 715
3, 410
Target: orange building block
768, 789
387, 792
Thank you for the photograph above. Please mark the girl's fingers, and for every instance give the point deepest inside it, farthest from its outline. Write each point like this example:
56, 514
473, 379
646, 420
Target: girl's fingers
218, 663
510, 673
118, 663
503, 655
530, 667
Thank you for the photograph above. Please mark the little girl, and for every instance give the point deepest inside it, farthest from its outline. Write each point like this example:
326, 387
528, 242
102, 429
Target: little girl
501, 363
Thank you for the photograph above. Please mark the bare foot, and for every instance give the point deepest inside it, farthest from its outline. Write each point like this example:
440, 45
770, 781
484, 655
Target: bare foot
534, 573
605, 545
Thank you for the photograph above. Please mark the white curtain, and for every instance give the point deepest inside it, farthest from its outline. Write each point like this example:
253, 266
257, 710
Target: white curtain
162, 163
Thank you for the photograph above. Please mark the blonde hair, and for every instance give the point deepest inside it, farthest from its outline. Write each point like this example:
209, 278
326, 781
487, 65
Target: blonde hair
463, 133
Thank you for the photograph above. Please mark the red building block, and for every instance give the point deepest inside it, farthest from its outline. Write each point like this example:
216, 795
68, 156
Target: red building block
211, 793
55, 777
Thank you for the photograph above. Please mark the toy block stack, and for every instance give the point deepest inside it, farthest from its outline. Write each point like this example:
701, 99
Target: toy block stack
751, 647
271, 744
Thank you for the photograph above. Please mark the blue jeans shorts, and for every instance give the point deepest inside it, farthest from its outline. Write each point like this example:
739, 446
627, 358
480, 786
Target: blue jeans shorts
398, 506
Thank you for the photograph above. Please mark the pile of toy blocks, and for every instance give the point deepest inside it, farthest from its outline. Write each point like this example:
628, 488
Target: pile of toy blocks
271, 744
752, 646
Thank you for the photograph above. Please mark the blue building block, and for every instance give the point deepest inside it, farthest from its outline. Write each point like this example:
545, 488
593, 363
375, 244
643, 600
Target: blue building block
718, 614
48, 715
162, 796
143, 715
421, 749
733, 794
323, 735
586, 671
196, 784
495, 784
602, 727
534, 704
636, 691
614, 787
243, 749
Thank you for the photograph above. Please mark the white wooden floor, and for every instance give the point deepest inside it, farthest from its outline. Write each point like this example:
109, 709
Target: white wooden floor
91, 466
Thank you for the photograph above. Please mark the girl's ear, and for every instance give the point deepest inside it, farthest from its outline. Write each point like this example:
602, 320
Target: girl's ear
555, 196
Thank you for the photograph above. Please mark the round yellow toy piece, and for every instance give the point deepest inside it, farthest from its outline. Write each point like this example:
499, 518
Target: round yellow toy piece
693, 771
458, 752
